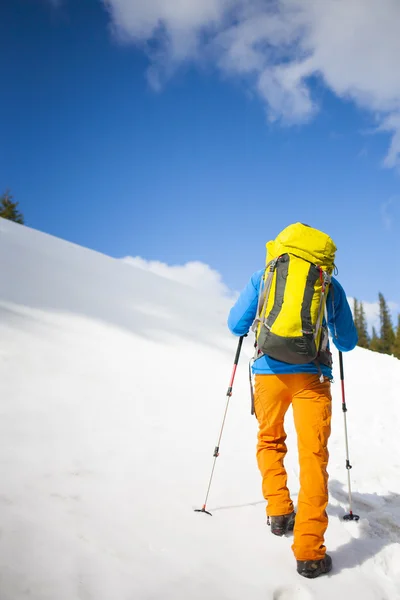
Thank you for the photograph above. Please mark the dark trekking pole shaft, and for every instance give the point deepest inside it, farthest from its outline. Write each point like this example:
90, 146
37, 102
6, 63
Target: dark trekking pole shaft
350, 516
216, 450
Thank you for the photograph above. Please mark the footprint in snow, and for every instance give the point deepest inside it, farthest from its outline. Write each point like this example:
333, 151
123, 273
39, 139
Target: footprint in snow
292, 592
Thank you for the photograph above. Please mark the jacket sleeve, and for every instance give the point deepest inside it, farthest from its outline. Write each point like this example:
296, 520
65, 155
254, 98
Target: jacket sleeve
243, 313
340, 319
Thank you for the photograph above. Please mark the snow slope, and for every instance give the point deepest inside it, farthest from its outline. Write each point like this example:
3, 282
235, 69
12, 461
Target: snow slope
112, 392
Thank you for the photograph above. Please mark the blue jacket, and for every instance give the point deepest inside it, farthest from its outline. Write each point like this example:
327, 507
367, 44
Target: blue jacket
340, 323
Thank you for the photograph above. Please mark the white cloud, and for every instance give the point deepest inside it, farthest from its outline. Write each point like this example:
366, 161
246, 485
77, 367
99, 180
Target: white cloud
206, 280
391, 123
372, 315
195, 274
388, 211
353, 45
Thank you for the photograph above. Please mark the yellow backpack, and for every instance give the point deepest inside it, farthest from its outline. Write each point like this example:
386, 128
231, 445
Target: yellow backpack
292, 299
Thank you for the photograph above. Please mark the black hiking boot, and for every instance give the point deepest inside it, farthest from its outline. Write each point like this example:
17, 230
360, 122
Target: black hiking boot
282, 524
314, 568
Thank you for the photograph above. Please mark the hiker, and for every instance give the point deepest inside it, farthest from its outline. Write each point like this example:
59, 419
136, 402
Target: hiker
288, 303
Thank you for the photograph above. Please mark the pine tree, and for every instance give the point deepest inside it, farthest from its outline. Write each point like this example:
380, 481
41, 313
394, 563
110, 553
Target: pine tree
356, 313
362, 329
9, 210
396, 345
387, 332
375, 343
361, 324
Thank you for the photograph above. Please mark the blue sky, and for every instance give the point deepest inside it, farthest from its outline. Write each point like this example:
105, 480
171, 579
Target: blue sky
194, 159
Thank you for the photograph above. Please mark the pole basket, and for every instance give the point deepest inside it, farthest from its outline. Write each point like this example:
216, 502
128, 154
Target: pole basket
351, 517
203, 510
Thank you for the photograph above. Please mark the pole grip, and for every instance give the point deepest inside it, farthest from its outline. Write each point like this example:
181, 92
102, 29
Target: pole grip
235, 362
341, 365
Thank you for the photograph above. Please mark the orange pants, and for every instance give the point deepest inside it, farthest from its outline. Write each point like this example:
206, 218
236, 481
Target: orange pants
311, 401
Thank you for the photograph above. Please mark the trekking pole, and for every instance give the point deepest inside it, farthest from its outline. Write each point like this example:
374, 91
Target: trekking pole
251, 362
216, 450
350, 516
252, 410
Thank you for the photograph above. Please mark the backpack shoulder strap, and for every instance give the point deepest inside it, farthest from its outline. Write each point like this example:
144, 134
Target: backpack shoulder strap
265, 287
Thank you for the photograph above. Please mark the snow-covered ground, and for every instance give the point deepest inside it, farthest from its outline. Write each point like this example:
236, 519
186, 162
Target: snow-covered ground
112, 391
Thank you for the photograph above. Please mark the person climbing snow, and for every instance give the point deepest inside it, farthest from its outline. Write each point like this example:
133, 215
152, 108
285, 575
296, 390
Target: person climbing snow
291, 305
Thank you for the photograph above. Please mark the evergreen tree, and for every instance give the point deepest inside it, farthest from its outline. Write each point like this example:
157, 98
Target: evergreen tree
387, 332
356, 313
362, 329
9, 210
361, 324
396, 345
375, 343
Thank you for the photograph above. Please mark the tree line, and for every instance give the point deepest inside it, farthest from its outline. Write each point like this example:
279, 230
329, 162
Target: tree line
9, 208
387, 339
